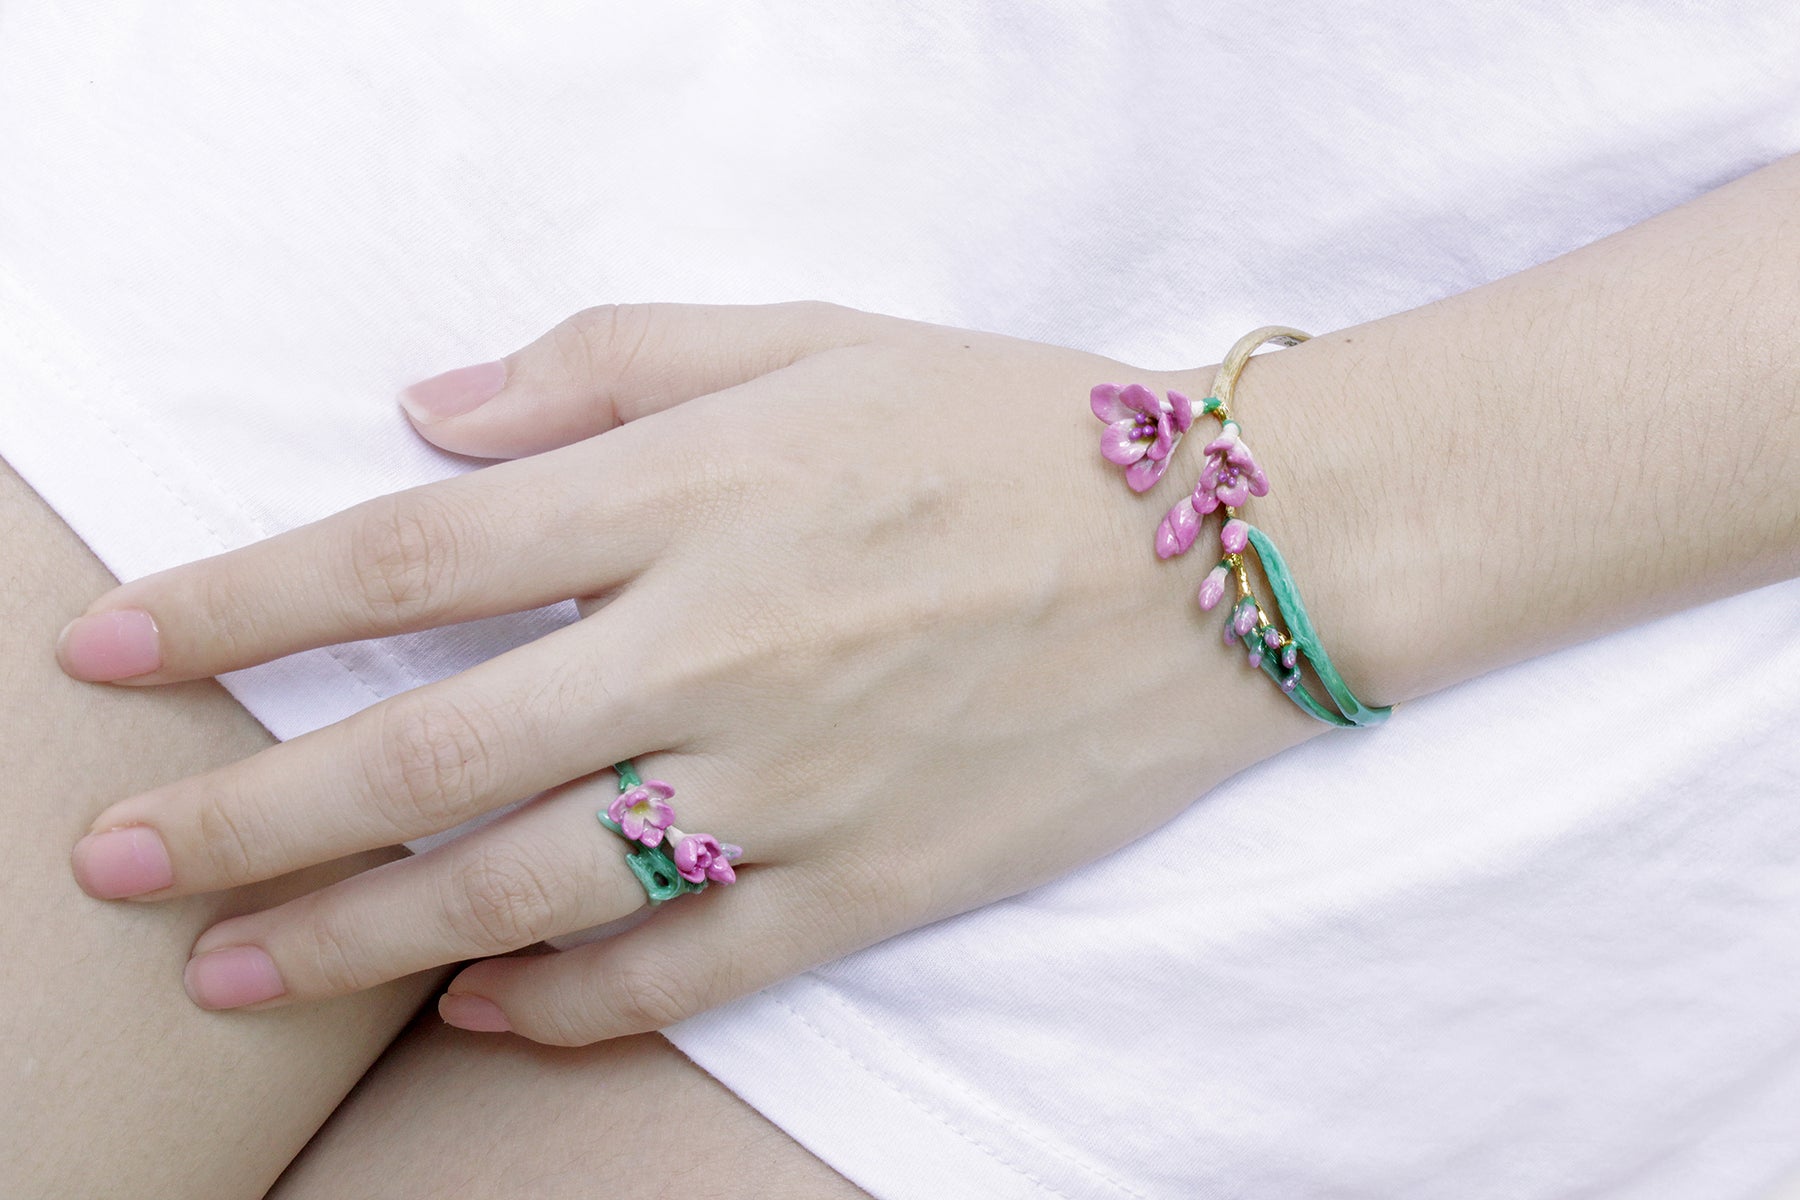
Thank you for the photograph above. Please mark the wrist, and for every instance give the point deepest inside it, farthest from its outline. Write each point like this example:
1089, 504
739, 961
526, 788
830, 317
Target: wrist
1515, 469
1325, 467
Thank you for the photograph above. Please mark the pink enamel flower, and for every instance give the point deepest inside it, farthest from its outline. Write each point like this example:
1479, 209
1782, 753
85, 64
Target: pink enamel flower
643, 812
700, 856
1141, 430
1231, 475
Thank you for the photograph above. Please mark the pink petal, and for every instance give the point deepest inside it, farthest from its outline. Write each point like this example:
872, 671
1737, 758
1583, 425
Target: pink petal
1105, 402
1235, 536
1119, 446
1220, 445
1142, 399
632, 825
1235, 494
657, 787
1143, 474
719, 871
684, 859
1259, 483
1180, 526
1205, 502
1160, 447
1184, 411
1240, 457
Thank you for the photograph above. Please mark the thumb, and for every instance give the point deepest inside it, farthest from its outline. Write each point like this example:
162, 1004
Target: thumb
617, 362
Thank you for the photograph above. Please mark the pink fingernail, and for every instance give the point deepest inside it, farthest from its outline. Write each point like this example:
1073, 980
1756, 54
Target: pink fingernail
109, 645
454, 392
473, 1013
121, 862
232, 978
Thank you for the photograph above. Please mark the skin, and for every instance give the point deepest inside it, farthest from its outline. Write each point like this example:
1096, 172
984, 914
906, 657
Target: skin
662, 449
114, 1085
630, 1116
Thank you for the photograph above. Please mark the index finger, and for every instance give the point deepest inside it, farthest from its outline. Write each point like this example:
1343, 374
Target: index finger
463, 548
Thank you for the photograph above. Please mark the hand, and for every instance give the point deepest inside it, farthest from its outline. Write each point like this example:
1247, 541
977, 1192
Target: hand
862, 589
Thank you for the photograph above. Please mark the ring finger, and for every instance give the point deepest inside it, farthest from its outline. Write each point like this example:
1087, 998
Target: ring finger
545, 869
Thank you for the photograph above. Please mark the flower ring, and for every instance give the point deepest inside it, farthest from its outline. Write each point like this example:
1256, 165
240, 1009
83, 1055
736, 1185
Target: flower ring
666, 861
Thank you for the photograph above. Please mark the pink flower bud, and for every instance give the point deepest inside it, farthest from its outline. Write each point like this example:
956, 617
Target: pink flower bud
1212, 588
1180, 526
1235, 536
700, 856
1244, 619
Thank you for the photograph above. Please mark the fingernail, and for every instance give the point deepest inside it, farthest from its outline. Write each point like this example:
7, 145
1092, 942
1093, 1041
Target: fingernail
454, 392
472, 1013
232, 978
109, 645
121, 862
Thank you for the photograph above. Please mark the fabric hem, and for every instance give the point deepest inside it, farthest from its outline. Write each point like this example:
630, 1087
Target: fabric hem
904, 1147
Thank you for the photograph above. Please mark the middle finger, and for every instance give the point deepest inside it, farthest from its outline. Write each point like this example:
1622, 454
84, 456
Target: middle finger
419, 763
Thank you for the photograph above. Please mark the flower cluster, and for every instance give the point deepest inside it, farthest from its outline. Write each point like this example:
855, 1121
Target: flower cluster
643, 814
1141, 433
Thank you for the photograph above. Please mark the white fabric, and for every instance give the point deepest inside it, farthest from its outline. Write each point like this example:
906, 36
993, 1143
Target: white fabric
1539, 937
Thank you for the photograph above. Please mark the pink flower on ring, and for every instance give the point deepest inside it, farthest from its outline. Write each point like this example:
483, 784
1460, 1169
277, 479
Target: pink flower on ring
1141, 430
1231, 475
700, 856
643, 812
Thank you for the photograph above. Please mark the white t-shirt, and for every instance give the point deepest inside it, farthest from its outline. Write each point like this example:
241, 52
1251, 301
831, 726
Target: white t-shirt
1538, 937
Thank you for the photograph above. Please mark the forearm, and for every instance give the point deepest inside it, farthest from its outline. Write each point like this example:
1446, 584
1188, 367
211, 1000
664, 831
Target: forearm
1600, 440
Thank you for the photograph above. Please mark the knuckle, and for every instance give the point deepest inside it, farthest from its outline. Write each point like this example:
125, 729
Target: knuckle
433, 757
649, 996
405, 552
500, 900
335, 964
607, 340
814, 318
222, 603
236, 848
563, 1016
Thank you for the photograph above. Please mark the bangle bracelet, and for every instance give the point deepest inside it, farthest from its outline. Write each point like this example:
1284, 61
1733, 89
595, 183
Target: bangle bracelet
1141, 434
